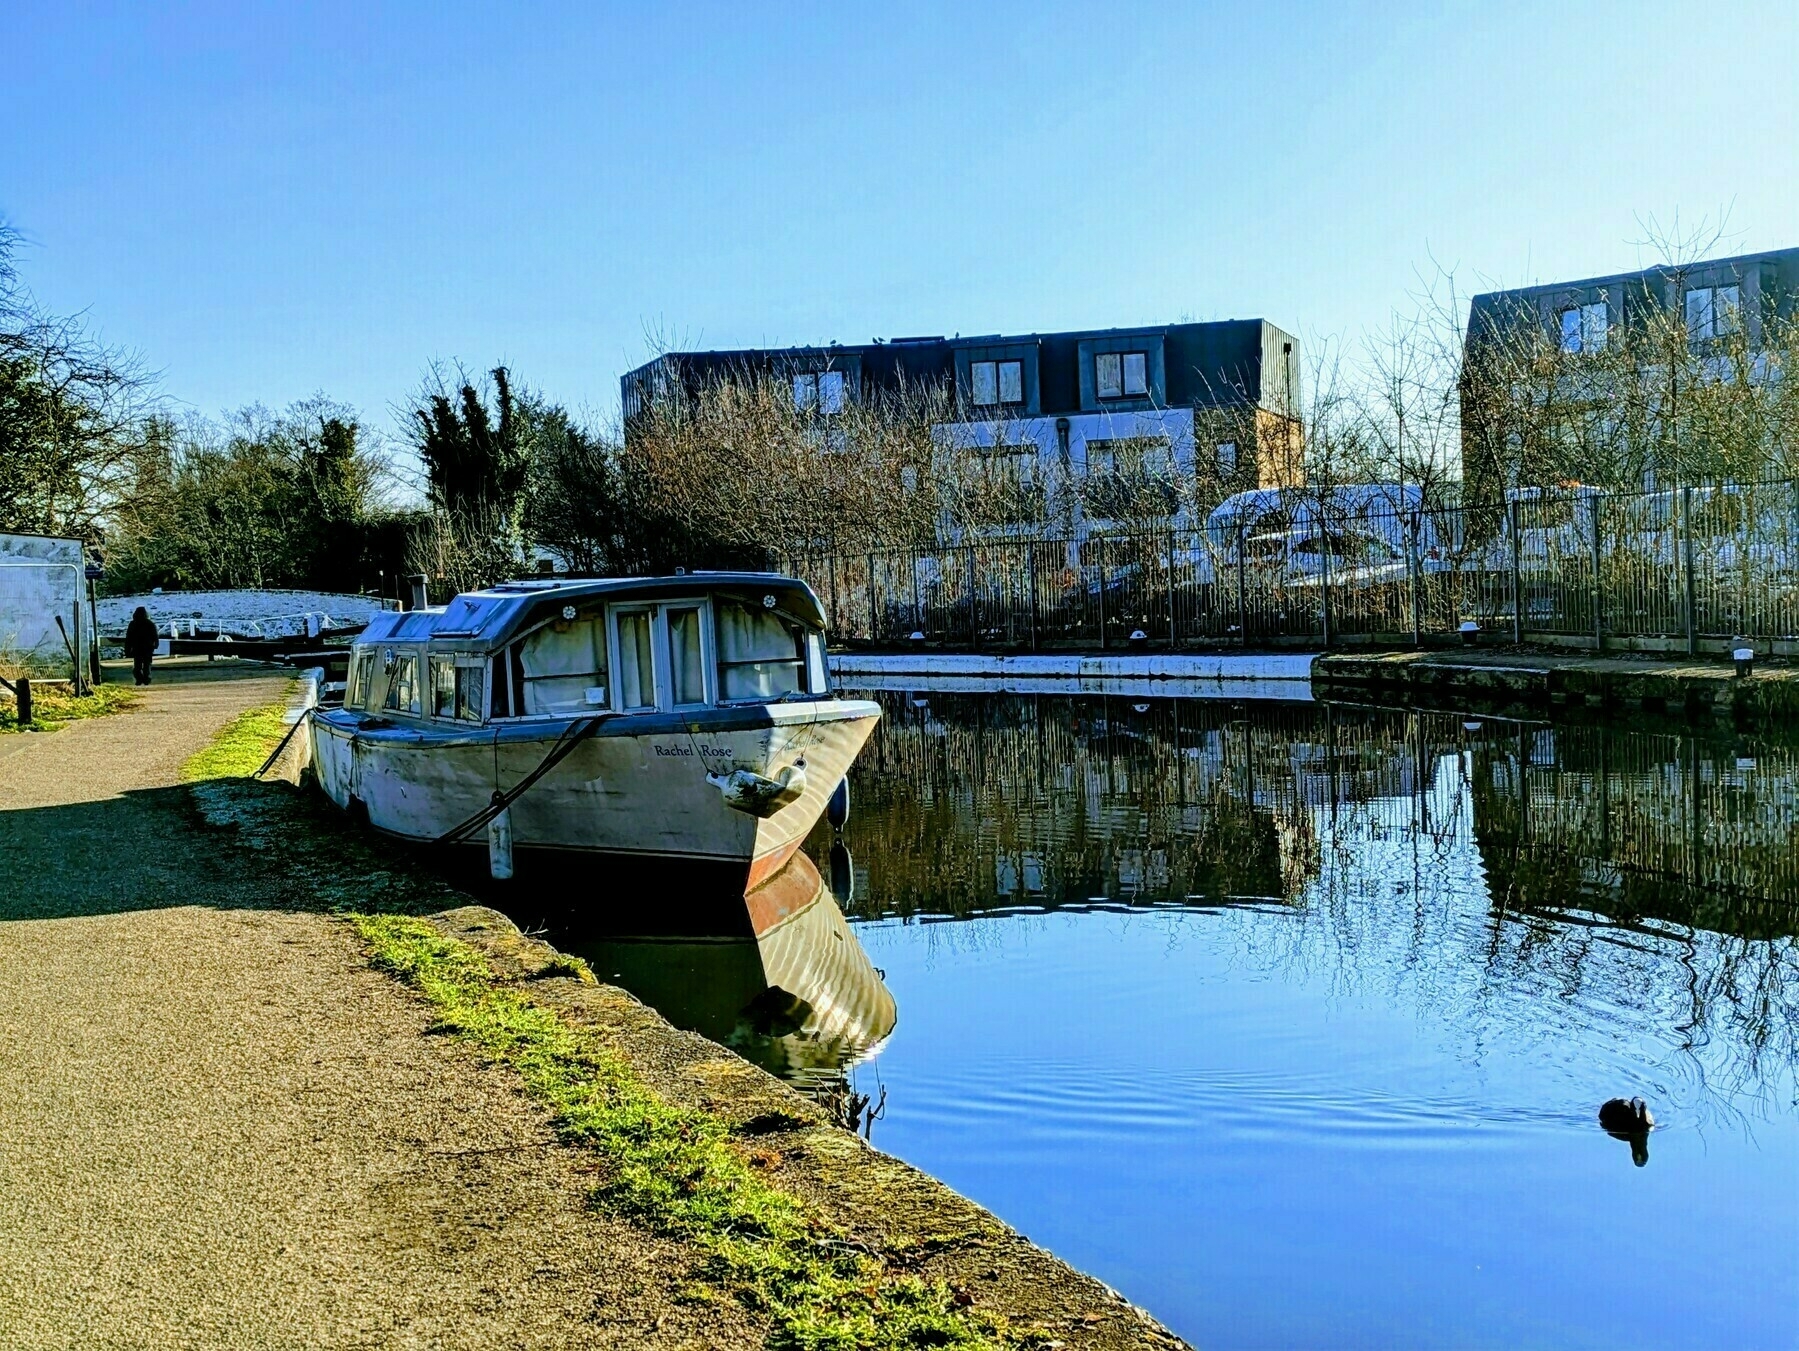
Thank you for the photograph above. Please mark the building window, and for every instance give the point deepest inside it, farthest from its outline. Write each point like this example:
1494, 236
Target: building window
1227, 459
996, 382
819, 391
1583, 327
1003, 488
1132, 478
1713, 311
1121, 375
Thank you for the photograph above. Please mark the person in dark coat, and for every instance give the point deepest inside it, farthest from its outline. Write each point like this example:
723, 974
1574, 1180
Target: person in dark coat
140, 644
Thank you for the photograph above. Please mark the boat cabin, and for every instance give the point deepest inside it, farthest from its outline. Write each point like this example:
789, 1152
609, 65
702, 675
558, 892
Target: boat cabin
568, 648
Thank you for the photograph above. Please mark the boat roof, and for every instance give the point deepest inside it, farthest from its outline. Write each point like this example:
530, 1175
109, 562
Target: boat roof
495, 615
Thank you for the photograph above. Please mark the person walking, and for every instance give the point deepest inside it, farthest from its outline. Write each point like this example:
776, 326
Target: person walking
140, 644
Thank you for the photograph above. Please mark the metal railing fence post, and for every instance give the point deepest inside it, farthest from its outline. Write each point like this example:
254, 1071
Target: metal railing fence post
1242, 590
1598, 579
1030, 561
1324, 591
1171, 588
1411, 573
1686, 556
874, 625
917, 600
1517, 571
1100, 545
974, 623
831, 566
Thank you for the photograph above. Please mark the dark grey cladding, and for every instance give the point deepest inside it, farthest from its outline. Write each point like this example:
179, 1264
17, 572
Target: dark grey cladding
1234, 363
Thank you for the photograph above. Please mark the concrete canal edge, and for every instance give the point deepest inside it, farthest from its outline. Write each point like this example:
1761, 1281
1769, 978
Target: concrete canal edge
1220, 667
1480, 680
866, 1240
1542, 681
1175, 675
914, 1232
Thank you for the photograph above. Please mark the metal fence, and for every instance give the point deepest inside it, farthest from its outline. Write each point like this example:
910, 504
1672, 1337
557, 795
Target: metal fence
1684, 568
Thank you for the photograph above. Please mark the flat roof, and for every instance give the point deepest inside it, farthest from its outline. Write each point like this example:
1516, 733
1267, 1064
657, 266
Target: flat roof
495, 615
1703, 264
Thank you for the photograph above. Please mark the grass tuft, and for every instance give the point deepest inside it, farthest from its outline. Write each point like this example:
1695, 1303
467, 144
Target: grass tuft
53, 705
241, 745
678, 1171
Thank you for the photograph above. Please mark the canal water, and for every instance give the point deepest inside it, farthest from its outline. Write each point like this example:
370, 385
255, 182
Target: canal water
1291, 1021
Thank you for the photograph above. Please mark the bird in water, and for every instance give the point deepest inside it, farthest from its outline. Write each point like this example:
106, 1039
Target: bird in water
1629, 1120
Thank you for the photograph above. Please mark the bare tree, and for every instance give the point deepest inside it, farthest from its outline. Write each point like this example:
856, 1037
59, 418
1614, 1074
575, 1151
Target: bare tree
72, 414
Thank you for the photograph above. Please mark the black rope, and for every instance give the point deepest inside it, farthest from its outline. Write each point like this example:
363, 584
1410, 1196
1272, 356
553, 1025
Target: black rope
572, 735
281, 745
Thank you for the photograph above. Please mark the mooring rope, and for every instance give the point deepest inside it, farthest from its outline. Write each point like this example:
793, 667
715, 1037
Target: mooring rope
281, 745
572, 735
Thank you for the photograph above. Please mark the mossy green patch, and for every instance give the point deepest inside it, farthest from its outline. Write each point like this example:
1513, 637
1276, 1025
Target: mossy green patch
680, 1171
52, 705
241, 745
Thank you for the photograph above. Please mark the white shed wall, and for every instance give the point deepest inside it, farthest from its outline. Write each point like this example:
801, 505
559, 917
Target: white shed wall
42, 578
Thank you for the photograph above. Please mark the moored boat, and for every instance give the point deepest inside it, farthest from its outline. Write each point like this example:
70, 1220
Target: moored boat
665, 718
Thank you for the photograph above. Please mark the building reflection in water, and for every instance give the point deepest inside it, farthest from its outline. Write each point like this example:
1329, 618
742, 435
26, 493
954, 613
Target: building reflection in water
1483, 868
973, 801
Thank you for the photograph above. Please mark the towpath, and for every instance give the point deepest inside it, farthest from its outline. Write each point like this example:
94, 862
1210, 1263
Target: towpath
220, 1128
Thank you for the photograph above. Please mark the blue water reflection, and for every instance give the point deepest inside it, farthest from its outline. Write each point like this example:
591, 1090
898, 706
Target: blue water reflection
1291, 1022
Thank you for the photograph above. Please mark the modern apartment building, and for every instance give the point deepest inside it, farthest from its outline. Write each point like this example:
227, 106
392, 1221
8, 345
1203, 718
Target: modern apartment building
1209, 408
1712, 310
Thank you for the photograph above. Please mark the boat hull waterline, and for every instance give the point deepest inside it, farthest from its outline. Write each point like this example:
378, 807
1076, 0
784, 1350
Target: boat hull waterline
643, 786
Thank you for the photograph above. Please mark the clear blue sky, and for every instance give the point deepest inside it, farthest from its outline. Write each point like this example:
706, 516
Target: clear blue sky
269, 200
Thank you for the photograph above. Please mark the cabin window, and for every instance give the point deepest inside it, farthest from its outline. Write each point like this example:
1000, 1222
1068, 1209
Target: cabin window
687, 659
502, 690
403, 685
761, 655
443, 687
636, 665
362, 681
471, 692
564, 666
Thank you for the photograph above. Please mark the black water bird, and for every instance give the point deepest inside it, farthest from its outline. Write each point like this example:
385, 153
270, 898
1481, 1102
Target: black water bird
1630, 1121
1626, 1118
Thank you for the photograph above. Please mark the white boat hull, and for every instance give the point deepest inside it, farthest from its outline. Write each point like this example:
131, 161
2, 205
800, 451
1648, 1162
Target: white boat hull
645, 786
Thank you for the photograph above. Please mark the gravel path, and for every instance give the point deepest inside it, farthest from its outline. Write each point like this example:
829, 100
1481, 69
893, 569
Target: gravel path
220, 1128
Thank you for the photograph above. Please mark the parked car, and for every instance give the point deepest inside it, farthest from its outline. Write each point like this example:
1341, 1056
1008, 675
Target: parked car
1344, 559
1267, 520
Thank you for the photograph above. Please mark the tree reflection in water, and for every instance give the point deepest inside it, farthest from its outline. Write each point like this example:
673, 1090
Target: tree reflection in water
1548, 879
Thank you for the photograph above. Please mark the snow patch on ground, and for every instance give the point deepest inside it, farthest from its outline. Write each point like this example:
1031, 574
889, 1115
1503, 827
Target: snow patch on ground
245, 614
